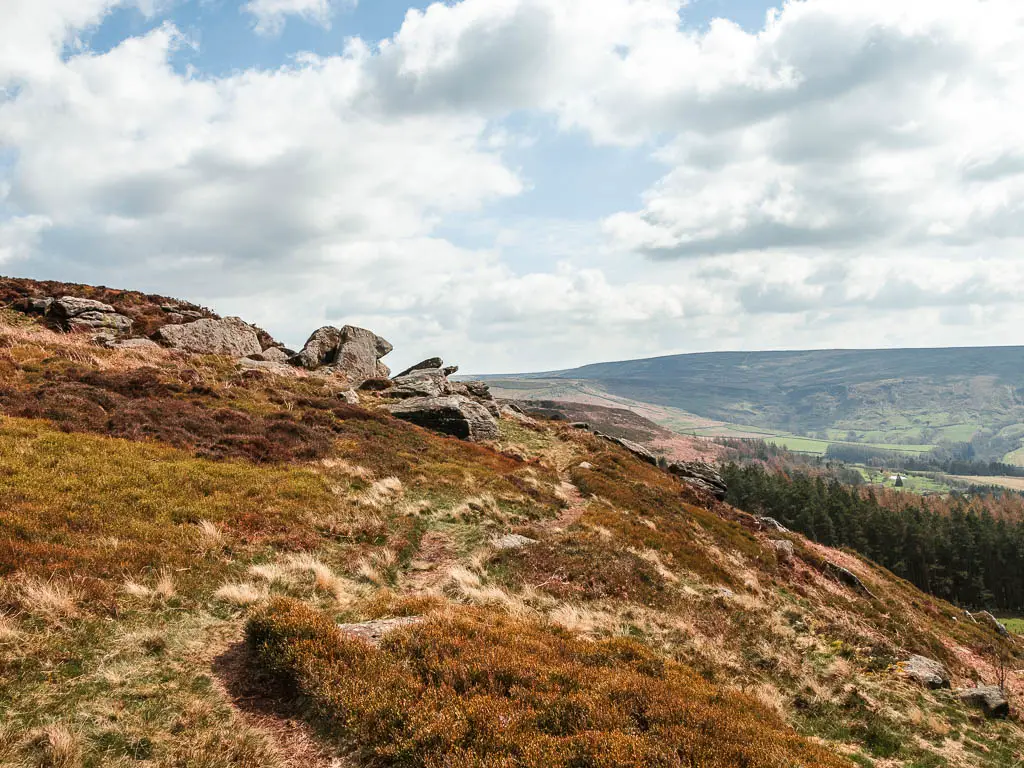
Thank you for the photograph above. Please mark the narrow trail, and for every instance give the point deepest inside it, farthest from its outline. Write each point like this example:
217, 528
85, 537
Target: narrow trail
434, 561
264, 711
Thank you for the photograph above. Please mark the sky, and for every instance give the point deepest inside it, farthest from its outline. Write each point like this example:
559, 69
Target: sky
521, 185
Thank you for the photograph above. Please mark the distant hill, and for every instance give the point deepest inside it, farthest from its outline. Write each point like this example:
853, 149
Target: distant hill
901, 397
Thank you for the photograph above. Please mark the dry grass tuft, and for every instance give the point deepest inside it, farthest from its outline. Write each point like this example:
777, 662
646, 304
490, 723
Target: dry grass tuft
8, 629
241, 594
49, 600
58, 747
378, 567
272, 573
324, 578
134, 589
211, 537
382, 494
164, 585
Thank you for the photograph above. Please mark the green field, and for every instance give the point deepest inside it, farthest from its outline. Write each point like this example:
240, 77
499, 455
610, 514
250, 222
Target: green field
912, 482
1014, 625
1016, 458
815, 446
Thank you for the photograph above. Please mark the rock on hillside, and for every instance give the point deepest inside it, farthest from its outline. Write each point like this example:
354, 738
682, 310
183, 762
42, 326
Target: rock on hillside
355, 352
73, 314
463, 409
231, 337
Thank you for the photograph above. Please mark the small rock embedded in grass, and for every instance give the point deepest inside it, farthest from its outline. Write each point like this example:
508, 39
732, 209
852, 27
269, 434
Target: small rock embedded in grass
512, 541
373, 632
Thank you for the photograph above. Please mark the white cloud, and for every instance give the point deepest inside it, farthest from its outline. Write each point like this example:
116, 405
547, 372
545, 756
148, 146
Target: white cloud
852, 171
270, 16
19, 237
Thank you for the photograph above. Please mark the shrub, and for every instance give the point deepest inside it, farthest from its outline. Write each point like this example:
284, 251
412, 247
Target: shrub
477, 688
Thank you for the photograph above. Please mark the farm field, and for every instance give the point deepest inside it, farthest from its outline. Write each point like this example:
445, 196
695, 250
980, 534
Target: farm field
1013, 483
1015, 457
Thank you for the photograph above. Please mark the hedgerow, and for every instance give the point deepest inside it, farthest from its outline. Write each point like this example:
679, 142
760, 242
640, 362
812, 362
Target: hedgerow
476, 688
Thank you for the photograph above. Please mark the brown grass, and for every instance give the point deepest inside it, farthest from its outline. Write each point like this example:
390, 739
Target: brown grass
479, 689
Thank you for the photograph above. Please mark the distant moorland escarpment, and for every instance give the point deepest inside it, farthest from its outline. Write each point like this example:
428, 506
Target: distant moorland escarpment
920, 397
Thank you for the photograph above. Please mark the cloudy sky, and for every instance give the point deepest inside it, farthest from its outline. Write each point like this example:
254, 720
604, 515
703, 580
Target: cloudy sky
529, 184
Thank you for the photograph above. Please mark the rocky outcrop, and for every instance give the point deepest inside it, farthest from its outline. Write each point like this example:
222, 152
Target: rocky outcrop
635, 448
354, 352
700, 475
134, 343
848, 578
430, 362
512, 541
423, 382
770, 524
276, 355
73, 314
455, 415
927, 672
990, 699
984, 617
320, 349
784, 550
360, 353
231, 337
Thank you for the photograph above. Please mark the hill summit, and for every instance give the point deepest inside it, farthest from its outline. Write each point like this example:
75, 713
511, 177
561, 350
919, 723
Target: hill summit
216, 551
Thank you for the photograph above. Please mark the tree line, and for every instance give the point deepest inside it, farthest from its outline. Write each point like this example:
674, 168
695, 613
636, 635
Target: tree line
955, 550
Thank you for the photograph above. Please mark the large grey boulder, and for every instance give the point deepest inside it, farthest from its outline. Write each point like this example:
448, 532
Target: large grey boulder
137, 342
231, 337
356, 352
455, 415
990, 699
423, 382
360, 353
320, 349
74, 314
784, 550
701, 475
275, 355
926, 672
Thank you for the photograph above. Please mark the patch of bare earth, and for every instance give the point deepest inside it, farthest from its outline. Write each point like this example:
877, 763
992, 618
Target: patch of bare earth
434, 561
264, 706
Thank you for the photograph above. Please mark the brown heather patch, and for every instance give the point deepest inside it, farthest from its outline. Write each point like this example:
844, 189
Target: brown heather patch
582, 564
475, 688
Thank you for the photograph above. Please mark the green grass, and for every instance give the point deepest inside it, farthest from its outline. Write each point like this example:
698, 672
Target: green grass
1015, 457
1015, 625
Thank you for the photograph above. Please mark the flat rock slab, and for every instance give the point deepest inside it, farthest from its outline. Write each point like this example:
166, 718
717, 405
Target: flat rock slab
374, 632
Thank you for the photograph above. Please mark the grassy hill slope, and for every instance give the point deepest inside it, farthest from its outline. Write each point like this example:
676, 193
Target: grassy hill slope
179, 540
886, 397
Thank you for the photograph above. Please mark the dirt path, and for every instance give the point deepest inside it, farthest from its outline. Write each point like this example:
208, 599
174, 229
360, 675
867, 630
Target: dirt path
269, 711
574, 511
434, 560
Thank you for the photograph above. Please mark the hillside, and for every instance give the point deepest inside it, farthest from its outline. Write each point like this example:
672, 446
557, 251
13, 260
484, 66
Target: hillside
209, 559
912, 398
